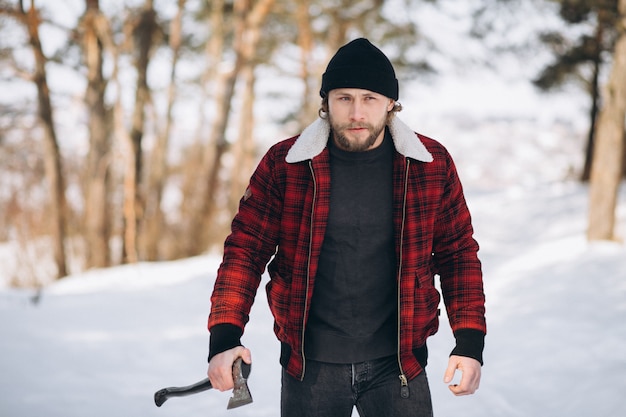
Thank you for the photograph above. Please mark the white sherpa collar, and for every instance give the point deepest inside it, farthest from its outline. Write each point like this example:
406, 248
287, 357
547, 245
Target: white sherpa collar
314, 138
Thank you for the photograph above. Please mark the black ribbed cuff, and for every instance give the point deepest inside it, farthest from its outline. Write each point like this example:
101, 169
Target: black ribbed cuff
469, 343
224, 337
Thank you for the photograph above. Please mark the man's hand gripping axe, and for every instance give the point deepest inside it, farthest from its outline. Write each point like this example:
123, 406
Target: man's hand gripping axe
241, 393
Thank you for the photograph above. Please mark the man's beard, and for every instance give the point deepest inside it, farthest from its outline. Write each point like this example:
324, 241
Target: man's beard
346, 144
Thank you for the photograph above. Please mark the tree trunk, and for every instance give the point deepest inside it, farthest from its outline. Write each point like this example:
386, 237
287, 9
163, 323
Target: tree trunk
606, 171
122, 148
248, 21
154, 219
54, 172
249, 17
308, 73
595, 105
97, 223
243, 150
143, 34
193, 184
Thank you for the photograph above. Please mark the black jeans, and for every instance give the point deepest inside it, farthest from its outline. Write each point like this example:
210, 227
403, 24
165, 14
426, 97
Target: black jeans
331, 390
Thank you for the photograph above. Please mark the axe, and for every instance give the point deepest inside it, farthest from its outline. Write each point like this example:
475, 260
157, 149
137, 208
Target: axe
241, 393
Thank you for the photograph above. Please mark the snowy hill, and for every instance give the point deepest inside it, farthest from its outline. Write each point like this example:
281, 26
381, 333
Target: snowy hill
100, 344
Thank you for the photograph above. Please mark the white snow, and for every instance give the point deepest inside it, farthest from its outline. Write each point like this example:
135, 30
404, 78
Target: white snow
101, 343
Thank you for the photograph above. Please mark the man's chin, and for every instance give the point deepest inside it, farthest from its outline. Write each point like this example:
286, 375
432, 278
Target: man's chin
354, 145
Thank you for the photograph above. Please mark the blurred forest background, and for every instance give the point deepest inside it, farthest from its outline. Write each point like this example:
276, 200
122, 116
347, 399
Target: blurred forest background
129, 128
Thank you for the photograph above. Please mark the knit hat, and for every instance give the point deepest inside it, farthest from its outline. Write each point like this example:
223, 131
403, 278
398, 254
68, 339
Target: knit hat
359, 64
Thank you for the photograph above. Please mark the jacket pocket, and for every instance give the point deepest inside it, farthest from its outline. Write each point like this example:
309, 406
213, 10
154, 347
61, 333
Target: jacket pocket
424, 278
278, 291
425, 307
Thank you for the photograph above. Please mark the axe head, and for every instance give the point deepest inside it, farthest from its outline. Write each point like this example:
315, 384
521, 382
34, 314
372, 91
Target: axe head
241, 393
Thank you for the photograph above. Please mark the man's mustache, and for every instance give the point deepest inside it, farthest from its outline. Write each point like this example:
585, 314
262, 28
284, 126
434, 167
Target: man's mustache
356, 126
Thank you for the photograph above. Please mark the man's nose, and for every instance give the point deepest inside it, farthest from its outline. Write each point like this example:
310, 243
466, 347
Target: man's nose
356, 110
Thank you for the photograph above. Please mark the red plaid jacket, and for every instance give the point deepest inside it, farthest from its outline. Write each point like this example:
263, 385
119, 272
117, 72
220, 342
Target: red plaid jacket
283, 215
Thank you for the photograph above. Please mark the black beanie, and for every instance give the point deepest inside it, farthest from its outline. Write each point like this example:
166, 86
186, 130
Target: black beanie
359, 64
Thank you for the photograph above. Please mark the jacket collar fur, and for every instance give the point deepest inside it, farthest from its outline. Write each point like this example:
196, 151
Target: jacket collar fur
314, 138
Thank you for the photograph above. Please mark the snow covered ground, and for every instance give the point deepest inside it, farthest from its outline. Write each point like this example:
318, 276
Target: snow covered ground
101, 343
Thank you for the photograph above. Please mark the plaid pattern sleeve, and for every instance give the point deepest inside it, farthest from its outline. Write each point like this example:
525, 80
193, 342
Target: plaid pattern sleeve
248, 249
436, 239
456, 258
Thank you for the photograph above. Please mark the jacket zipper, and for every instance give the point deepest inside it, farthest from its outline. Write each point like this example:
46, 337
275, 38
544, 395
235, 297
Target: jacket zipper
404, 383
308, 270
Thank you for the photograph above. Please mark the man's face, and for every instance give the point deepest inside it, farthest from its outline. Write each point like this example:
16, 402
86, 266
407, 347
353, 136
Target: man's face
357, 118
